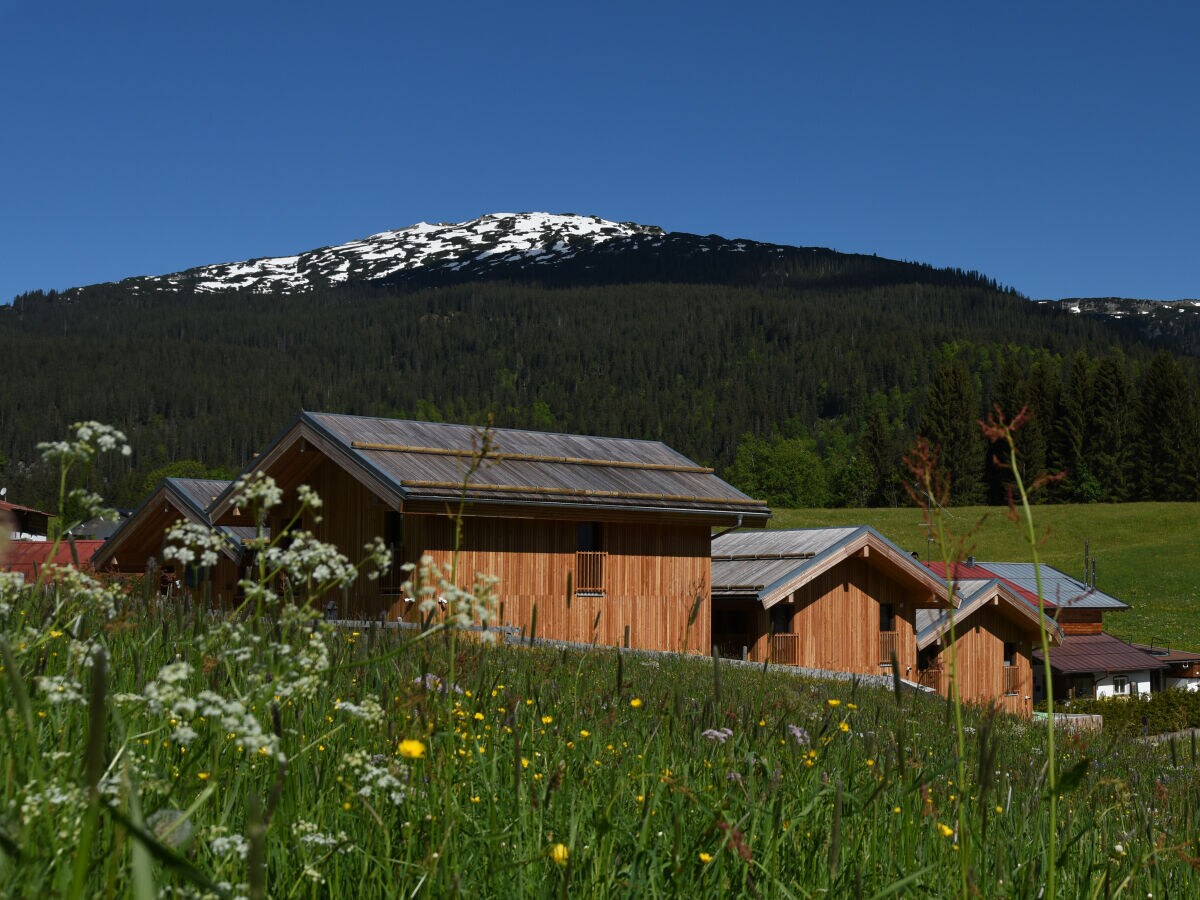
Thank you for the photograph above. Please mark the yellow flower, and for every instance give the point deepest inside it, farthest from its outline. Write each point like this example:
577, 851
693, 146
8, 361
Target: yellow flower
870, 762
844, 726
851, 706
560, 854
203, 776
474, 799
999, 809
546, 720
896, 810
705, 857
412, 749
479, 716
583, 732
945, 830
834, 702
635, 702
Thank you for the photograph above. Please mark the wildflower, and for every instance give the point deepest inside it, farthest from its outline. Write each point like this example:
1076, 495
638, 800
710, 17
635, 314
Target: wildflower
720, 735
411, 748
705, 857
803, 738
843, 726
945, 830
896, 810
999, 809
479, 717
559, 854
834, 702
583, 732
635, 702
546, 720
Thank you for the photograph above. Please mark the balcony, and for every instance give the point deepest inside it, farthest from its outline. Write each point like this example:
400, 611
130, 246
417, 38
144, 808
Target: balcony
589, 572
888, 645
1012, 680
931, 678
785, 649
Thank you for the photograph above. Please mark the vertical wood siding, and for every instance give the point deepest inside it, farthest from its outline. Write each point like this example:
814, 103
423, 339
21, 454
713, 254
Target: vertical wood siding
981, 676
835, 618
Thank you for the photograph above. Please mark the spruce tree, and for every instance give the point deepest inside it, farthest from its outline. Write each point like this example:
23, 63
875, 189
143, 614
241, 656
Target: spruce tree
1169, 461
950, 423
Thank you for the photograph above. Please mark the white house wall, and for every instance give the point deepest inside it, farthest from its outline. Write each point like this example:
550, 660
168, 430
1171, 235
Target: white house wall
1138, 683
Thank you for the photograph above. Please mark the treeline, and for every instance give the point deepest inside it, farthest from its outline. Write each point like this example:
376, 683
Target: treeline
1113, 430
850, 371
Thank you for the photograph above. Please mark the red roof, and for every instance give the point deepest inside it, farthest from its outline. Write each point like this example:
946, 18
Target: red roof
1098, 653
16, 507
28, 557
963, 572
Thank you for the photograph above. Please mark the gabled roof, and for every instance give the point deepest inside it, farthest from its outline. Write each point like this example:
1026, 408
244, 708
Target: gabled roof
1059, 590
1098, 653
5, 506
403, 461
771, 565
934, 624
191, 498
1169, 655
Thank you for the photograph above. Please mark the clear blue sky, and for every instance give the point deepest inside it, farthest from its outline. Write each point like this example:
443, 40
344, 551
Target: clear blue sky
1053, 146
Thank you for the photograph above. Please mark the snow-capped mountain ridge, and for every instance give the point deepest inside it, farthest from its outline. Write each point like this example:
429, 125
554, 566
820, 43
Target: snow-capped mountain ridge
477, 246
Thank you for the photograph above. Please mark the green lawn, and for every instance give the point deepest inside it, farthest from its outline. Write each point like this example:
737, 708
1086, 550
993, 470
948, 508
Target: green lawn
1146, 553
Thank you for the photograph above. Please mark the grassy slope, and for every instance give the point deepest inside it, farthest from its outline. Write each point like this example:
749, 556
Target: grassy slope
1145, 553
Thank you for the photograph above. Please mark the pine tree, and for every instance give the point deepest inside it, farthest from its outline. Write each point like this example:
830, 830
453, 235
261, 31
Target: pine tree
1169, 459
1113, 422
950, 423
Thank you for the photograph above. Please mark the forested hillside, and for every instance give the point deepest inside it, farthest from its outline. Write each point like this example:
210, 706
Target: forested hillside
805, 389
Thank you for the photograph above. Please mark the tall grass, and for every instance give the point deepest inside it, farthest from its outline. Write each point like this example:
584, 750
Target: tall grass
155, 746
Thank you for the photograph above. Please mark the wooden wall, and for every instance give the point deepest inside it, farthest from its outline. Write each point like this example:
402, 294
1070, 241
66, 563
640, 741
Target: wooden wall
1081, 621
980, 661
653, 571
836, 619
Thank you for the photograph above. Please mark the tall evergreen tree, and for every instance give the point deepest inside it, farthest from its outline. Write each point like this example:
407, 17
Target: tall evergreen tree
950, 422
1072, 432
1113, 424
1169, 458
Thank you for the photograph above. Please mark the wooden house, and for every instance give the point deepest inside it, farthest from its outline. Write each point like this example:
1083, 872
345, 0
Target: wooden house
626, 523
1182, 672
995, 632
839, 599
22, 523
136, 546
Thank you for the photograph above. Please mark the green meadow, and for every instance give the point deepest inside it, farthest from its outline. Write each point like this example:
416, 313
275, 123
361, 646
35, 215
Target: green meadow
1146, 553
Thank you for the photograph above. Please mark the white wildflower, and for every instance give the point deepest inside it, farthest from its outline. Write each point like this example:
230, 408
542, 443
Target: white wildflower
377, 776
190, 543
61, 689
229, 844
257, 490
369, 710
90, 438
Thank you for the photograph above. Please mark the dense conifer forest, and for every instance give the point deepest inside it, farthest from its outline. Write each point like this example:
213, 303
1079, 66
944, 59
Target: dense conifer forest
804, 384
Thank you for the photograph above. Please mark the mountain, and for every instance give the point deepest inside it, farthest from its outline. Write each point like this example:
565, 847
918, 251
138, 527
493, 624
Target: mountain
543, 247
1173, 323
771, 363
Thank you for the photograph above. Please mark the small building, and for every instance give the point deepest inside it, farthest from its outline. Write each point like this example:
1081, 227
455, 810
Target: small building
1098, 666
24, 523
136, 546
839, 599
995, 632
625, 524
1182, 672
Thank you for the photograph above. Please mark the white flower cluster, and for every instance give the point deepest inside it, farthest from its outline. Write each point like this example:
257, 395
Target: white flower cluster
376, 776
229, 844
312, 562
433, 586
86, 504
193, 544
379, 555
79, 592
369, 710
61, 689
90, 438
310, 835
11, 586
257, 490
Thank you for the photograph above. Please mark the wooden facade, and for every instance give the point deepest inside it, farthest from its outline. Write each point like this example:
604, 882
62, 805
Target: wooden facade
627, 528
842, 600
136, 547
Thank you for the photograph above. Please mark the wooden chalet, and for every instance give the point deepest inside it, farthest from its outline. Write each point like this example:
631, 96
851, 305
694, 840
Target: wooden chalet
136, 546
23, 522
627, 523
839, 599
1183, 668
995, 633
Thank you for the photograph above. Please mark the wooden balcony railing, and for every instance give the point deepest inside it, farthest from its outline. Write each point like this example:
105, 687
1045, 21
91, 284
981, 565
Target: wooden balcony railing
1012, 680
887, 647
785, 649
589, 572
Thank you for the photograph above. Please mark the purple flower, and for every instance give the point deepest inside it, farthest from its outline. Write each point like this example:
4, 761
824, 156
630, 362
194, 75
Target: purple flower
721, 735
803, 738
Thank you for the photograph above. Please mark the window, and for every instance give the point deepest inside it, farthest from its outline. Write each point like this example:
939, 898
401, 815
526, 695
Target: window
781, 618
1120, 684
589, 560
393, 537
887, 617
1010, 653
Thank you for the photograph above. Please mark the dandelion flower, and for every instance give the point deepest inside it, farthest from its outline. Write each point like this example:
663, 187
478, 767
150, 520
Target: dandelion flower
834, 702
559, 854
705, 857
546, 720
635, 702
844, 726
945, 830
412, 749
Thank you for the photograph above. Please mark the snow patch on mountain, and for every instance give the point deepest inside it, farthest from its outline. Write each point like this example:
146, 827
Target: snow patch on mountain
535, 238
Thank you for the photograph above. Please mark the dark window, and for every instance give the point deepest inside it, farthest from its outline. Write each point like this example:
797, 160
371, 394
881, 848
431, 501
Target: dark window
393, 529
887, 617
781, 618
587, 537
1010, 653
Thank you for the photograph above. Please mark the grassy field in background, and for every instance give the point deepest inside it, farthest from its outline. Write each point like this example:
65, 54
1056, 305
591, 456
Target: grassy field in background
1146, 553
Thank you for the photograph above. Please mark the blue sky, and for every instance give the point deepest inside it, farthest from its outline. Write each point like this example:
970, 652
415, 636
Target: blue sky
1051, 146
